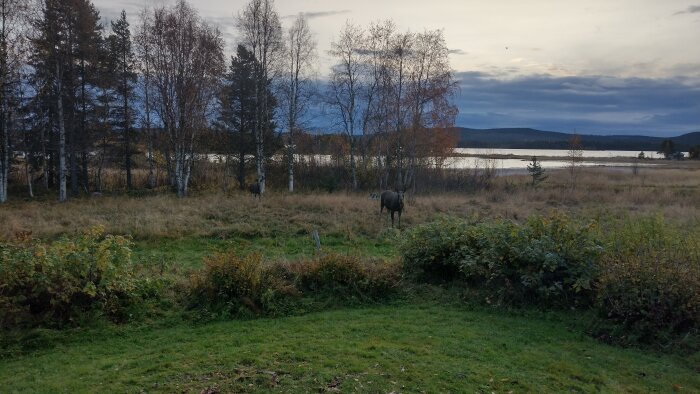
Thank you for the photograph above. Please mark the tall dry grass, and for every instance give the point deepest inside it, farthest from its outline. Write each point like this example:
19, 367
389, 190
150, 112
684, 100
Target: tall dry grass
674, 193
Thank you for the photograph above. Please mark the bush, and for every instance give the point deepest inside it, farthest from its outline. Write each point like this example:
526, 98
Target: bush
330, 183
642, 276
433, 252
347, 278
650, 281
236, 285
55, 284
544, 261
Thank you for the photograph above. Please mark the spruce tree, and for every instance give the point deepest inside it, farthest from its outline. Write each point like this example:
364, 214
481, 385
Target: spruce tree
239, 107
536, 171
64, 59
124, 62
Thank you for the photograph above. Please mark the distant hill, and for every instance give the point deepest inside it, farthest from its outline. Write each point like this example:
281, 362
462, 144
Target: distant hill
525, 138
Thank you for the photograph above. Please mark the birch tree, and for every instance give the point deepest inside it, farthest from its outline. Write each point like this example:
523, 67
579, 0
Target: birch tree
297, 86
186, 62
408, 95
377, 94
261, 32
428, 98
346, 86
399, 60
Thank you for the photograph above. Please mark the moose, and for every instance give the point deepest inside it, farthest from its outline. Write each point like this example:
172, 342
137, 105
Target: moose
254, 189
393, 201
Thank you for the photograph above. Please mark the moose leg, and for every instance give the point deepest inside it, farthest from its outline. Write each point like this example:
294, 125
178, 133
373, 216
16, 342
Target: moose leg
399, 219
392, 219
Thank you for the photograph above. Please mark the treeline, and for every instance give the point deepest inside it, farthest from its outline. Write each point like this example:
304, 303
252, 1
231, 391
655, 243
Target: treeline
525, 138
154, 92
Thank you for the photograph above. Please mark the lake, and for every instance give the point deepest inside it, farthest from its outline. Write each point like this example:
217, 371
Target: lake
557, 153
479, 158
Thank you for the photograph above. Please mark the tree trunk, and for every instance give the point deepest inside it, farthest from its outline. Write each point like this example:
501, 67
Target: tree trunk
182, 179
62, 190
399, 165
149, 135
84, 161
260, 160
98, 177
171, 171
151, 172
73, 161
241, 170
178, 175
183, 168
290, 167
352, 163
83, 129
29, 173
127, 142
4, 155
44, 161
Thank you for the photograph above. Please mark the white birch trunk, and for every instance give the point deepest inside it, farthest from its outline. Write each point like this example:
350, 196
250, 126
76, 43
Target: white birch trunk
290, 170
260, 160
29, 173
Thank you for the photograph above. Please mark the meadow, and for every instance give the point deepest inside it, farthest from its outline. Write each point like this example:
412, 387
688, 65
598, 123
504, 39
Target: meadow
423, 338
215, 214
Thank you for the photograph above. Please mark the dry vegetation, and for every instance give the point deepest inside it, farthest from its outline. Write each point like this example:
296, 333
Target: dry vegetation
670, 192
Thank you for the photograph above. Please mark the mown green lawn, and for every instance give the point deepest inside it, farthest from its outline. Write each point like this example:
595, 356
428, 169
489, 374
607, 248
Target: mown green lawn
392, 348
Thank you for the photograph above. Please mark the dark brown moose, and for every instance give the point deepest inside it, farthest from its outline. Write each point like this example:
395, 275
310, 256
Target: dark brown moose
393, 201
254, 189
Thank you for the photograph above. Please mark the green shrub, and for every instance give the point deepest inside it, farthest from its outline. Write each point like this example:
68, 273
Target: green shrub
280, 295
230, 283
243, 285
547, 260
433, 252
642, 275
650, 281
346, 277
55, 284
330, 183
236, 285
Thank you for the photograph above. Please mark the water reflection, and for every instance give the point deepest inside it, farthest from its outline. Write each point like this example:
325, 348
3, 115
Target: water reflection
557, 153
484, 158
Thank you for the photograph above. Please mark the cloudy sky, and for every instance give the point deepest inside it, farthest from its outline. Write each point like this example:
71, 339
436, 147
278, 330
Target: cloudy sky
593, 66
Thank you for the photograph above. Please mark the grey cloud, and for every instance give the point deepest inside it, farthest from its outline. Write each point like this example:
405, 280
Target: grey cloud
457, 52
318, 14
133, 8
590, 104
693, 9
